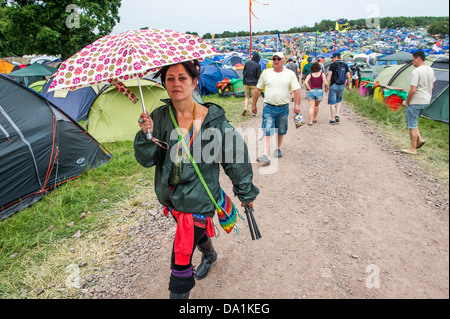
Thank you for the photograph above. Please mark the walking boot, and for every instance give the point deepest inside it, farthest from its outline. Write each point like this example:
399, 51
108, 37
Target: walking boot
179, 296
209, 256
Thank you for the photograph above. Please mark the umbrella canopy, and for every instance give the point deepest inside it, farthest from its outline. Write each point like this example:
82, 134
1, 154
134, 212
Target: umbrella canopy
128, 55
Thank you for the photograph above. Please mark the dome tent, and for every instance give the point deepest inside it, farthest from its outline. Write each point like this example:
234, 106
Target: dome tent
40, 147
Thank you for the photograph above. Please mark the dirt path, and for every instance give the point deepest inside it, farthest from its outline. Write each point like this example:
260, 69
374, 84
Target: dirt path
344, 215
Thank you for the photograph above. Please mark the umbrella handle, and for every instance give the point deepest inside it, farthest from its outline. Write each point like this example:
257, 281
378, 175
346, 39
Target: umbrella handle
148, 135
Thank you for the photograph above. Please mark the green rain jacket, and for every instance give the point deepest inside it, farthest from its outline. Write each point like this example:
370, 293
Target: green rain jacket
218, 143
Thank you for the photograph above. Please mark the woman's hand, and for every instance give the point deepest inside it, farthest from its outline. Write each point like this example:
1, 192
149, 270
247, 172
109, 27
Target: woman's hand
249, 204
146, 123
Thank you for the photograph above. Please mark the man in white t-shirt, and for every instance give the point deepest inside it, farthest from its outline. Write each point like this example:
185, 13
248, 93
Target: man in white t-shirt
278, 83
419, 97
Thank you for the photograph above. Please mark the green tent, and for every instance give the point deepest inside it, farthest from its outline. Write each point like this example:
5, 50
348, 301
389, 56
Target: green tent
33, 73
399, 75
401, 56
438, 108
113, 117
38, 85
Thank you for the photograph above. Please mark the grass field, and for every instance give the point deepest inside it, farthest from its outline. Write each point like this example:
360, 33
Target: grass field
37, 246
434, 156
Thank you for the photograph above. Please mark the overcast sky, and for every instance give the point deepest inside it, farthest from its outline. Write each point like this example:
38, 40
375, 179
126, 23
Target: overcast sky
214, 16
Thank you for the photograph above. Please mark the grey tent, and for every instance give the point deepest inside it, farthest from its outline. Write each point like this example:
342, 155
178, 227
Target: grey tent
40, 147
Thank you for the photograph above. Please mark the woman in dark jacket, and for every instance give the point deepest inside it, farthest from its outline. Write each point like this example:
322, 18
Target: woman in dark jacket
177, 184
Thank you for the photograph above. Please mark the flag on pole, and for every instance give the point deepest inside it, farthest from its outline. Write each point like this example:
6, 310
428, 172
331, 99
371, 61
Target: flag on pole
342, 25
251, 4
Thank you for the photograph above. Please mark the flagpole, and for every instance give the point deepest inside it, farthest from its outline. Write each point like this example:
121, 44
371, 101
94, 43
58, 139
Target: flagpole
250, 19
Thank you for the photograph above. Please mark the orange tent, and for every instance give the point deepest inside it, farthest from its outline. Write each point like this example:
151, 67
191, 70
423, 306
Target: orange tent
5, 67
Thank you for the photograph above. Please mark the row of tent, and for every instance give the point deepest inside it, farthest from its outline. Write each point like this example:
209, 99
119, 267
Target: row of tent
397, 76
385, 41
393, 81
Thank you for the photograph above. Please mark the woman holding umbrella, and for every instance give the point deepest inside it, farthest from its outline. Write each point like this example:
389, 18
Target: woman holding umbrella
177, 184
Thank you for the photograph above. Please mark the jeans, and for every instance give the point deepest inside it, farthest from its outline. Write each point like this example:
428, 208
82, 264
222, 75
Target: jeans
275, 117
336, 93
412, 113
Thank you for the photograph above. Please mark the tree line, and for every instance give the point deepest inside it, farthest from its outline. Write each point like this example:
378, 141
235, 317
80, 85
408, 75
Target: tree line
66, 26
435, 25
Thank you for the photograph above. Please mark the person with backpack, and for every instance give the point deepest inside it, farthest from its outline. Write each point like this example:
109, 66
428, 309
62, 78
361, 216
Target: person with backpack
338, 77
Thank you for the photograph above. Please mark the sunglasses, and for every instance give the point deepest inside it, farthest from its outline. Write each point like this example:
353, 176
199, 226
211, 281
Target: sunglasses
276, 59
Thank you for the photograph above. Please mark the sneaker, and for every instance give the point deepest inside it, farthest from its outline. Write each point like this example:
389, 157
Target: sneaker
278, 153
337, 119
332, 122
253, 114
244, 113
264, 160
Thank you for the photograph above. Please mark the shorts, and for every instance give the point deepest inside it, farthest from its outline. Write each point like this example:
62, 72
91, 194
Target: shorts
249, 90
412, 113
275, 117
336, 93
315, 94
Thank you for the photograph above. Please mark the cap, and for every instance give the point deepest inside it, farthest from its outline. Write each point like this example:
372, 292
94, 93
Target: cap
279, 54
290, 59
309, 59
336, 54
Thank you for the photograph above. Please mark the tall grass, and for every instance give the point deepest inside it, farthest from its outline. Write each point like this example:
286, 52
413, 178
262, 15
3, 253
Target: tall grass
433, 156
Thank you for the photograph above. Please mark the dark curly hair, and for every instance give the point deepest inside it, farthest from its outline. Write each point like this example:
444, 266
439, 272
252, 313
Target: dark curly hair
315, 67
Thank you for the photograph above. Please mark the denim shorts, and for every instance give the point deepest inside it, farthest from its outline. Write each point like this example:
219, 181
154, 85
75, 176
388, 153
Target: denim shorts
315, 94
275, 117
412, 113
336, 93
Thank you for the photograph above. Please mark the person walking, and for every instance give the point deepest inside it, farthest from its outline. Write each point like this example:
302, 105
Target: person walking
307, 69
278, 83
419, 97
293, 66
251, 74
338, 76
177, 184
315, 83
356, 75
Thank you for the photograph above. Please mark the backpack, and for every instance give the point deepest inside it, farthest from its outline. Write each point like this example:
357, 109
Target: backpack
340, 76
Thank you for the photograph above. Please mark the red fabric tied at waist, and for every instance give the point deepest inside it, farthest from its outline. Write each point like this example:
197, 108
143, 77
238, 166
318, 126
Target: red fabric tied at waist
184, 236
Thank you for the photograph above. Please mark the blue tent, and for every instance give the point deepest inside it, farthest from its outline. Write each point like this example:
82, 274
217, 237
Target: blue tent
76, 103
232, 60
212, 74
